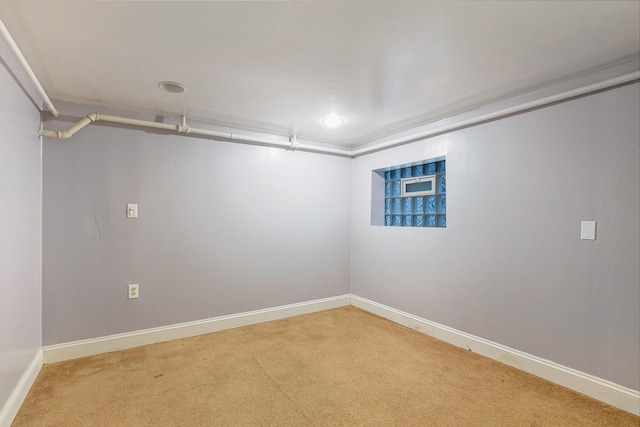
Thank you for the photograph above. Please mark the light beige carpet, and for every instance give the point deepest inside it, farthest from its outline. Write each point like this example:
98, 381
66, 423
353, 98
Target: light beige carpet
341, 367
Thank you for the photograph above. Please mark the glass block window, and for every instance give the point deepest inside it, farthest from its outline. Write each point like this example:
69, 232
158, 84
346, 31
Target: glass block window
428, 207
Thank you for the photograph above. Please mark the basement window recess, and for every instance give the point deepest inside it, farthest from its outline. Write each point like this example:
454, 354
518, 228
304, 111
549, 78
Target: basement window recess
414, 195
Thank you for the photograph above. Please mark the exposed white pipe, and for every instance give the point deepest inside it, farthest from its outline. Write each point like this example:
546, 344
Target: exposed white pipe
293, 144
626, 78
183, 128
25, 66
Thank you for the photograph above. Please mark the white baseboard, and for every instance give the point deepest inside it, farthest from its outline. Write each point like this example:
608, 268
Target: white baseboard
589, 385
597, 388
10, 409
89, 347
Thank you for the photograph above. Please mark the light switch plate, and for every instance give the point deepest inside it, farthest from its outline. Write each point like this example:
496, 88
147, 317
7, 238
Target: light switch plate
588, 230
132, 210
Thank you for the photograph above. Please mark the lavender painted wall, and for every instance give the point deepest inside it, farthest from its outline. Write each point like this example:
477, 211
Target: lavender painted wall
223, 228
20, 233
510, 266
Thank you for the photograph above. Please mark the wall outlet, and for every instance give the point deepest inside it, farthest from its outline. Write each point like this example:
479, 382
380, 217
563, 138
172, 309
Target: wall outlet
133, 291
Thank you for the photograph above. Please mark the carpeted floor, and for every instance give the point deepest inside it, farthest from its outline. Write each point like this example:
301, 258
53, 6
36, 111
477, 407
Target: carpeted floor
341, 367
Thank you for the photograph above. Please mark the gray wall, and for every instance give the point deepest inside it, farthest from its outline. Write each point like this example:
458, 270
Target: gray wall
226, 228
223, 228
510, 266
20, 233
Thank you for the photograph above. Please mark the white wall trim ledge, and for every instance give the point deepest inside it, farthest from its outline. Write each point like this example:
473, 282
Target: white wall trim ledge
11, 407
589, 385
89, 347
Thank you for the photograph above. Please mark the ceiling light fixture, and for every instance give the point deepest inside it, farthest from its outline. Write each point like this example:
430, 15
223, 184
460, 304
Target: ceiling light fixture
172, 87
333, 120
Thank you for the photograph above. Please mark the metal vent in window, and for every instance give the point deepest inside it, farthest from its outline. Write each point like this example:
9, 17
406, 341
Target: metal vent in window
422, 186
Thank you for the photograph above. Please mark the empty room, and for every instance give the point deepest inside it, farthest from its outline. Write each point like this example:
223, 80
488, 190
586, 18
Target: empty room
319, 213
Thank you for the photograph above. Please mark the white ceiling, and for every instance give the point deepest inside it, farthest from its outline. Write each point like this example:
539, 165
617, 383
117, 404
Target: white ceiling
281, 67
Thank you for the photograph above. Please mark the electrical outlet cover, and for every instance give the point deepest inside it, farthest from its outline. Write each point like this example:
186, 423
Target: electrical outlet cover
133, 291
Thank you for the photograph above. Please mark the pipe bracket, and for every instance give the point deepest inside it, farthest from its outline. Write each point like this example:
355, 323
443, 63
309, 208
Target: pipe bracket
294, 142
183, 127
